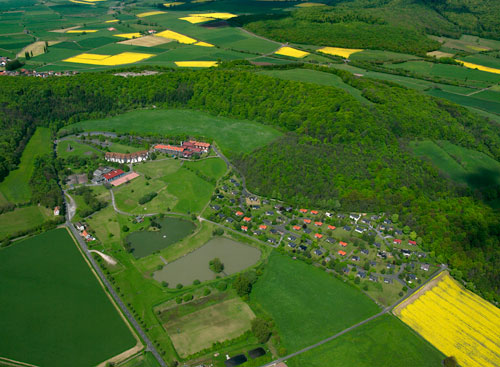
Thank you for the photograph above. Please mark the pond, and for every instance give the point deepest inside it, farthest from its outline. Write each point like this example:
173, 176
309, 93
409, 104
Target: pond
172, 230
235, 256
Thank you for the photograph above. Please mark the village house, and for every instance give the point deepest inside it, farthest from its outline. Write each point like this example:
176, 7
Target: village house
424, 267
113, 175
57, 210
291, 245
244, 228
79, 226
355, 216
135, 157
361, 274
373, 278
318, 252
359, 230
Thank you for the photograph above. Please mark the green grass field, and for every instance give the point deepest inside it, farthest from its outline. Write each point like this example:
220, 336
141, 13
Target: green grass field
306, 303
15, 188
385, 341
231, 135
464, 166
199, 330
69, 148
317, 77
22, 219
474, 101
53, 308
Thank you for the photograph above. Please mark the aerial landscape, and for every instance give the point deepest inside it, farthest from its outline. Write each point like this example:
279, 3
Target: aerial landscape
250, 183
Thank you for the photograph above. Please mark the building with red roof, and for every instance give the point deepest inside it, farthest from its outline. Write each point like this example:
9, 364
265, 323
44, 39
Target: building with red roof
314, 212
342, 253
331, 227
303, 210
319, 224
318, 236
413, 243
343, 244
297, 228
239, 214
169, 149
307, 221
397, 241
244, 228
113, 175
262, 226
247, 219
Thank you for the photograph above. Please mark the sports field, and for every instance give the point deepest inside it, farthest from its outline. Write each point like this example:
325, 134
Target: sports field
456, 321
22, 219
53, 308
15, 188
462, 165
385, 341
199, 330
306, 303
231, 135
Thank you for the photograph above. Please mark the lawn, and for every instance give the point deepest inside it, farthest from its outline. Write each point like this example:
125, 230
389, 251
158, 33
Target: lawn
385, 341
316, 77
462, 165
199, 330
69, 148
15, 188
307, 303
231, 135
211, 167
53, 307
22, 219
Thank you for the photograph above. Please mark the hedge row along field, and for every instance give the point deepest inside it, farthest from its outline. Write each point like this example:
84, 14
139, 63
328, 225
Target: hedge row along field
456, 321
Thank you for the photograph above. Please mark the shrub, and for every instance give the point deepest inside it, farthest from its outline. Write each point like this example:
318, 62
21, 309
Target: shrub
261, 329
146, 198
179, 286
188, 297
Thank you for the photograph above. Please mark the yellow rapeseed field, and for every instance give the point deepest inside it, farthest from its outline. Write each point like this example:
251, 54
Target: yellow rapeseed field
309, 5
215, 15
82, 31
112, 21
204, 44
128, 35
175, 3
109, 60
479, 67
196, 20
177, 37
338, 51
196, 64
149, 13
457, 322
292, 52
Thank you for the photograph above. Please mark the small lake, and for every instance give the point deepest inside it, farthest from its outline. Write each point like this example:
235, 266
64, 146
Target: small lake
235, 256
172, 230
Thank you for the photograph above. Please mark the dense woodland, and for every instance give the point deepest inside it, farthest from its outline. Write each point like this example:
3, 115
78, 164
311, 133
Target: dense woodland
339, 154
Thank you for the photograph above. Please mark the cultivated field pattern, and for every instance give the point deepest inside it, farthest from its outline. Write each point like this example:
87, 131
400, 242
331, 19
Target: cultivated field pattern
457, 322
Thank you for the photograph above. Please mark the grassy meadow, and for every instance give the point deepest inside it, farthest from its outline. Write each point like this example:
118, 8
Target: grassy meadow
464, 166
15, 188
53, 307
385, 341
307, 303
70, 148
230, 134
22, 219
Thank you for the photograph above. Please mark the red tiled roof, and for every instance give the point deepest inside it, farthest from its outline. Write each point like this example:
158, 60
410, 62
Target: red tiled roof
297, 228
307, 221
169, 147
262, 226
113, 174
318, 223
247, 219
331, 227
200, 143
244, 228
412, 242
303, 210
314, 212
342, 253
396, 240
318, 235
343, 244
84, 233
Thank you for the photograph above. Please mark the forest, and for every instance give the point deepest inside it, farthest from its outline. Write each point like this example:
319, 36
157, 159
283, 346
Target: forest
351, 156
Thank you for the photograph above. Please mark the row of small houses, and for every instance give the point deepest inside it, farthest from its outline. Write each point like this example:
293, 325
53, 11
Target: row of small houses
83, 232
186, 150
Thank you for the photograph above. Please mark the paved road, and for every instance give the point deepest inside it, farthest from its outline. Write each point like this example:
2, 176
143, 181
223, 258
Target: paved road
71, 206
149, 345
384, 311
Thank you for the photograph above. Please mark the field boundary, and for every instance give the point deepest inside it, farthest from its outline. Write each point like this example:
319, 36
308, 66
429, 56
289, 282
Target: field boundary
422, 290
129, 352
14, 363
